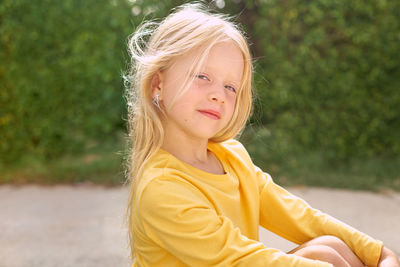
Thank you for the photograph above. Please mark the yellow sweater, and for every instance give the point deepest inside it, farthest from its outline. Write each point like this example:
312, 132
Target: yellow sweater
187, 217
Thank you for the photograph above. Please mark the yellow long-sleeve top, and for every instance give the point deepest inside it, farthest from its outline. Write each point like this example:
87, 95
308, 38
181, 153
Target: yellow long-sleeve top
187, 217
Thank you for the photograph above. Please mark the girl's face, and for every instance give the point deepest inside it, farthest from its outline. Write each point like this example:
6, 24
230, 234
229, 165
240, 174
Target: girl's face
207, 105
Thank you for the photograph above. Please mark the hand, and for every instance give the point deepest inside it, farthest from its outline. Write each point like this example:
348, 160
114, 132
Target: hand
388, 258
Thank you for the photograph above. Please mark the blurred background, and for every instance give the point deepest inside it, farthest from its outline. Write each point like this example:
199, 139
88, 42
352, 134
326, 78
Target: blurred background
327, 83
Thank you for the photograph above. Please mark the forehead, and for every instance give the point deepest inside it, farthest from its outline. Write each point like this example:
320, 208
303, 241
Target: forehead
223, 59
226, 58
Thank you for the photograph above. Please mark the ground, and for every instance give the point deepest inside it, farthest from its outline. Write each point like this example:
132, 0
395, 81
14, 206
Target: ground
84, 225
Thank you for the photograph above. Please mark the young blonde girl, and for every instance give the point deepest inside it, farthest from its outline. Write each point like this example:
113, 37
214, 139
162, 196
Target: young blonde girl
196, 199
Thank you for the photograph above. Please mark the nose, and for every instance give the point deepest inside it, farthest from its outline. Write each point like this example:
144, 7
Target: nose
217, 94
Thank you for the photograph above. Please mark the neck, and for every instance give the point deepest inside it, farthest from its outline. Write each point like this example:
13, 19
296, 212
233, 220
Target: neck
189, 150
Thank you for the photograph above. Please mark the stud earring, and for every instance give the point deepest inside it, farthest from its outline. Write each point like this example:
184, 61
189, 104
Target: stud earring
156, 101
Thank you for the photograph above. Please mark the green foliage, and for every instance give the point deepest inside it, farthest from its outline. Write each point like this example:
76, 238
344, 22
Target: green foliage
327, 77
328, 74
60, 75
101, 164
289, 167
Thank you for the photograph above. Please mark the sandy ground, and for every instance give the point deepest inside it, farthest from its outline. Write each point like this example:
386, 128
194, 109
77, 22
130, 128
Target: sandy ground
83, 225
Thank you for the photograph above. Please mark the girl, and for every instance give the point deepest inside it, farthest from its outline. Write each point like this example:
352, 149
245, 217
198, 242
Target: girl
196, 199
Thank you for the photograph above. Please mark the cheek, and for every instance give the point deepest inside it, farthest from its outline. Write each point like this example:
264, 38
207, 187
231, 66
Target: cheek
181, 109
232, 105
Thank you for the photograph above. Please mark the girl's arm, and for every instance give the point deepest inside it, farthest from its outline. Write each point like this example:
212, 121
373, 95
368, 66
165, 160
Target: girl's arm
388, 258
293, 219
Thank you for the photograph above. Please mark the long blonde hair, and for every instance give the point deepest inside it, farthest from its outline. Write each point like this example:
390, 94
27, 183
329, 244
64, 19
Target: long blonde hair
153, 47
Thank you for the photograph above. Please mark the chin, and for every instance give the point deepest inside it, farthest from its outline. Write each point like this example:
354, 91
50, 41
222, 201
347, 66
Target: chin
203, 135
205, 132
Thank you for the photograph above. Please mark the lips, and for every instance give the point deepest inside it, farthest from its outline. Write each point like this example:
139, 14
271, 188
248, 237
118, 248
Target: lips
210, 113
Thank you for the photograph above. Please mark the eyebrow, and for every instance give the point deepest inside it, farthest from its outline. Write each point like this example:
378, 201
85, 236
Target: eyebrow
230, 79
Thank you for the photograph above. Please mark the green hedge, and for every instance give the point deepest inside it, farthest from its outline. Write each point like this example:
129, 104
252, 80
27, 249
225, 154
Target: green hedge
60, 75
327, 73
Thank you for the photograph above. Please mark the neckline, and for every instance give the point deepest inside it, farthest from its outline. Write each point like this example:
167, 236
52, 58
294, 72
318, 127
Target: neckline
200, 172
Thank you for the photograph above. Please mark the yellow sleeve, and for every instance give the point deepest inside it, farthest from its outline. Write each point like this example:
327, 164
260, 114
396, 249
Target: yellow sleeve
293, 219
179, 218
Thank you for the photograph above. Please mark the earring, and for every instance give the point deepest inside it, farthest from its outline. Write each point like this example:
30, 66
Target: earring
156, 100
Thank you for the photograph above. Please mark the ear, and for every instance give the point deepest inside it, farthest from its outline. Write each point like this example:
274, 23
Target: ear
156, 84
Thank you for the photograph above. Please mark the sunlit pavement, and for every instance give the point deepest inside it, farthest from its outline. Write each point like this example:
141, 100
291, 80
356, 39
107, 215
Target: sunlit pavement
84, 225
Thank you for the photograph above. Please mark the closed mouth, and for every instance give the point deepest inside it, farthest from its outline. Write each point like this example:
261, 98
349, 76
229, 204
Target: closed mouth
212, 114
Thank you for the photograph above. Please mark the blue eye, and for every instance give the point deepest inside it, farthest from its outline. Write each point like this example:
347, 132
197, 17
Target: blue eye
202, 77
230, 88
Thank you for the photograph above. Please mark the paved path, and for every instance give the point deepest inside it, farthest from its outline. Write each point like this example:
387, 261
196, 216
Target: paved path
83, 226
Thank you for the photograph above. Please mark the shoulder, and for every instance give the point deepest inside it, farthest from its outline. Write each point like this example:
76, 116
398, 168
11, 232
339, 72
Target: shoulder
233, 150
164, 176
233, 145
169, 189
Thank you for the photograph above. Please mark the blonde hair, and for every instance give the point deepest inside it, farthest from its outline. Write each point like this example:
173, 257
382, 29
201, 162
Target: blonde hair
153, 47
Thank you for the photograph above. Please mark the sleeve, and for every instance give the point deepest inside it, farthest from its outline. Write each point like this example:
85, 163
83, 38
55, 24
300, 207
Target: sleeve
178, 217
293, 219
